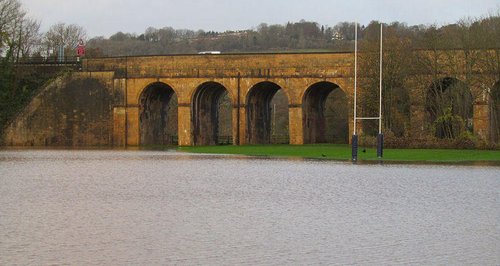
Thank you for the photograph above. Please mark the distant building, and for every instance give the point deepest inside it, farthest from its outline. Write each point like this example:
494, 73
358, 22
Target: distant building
337, 36
210, 52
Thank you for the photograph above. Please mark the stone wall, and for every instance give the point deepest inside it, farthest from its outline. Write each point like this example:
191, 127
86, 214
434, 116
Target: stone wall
72, 110
227, 65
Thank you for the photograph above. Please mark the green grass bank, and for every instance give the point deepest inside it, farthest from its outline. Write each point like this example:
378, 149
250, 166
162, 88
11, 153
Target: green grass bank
343, 152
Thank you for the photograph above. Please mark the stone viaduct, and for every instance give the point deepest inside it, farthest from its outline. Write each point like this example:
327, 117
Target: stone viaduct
251, 81
137, 90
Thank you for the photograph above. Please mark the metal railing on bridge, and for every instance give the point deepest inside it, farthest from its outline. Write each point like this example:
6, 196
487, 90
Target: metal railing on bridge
41, 60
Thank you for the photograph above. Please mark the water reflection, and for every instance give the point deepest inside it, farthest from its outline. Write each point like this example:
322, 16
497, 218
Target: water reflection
155, 208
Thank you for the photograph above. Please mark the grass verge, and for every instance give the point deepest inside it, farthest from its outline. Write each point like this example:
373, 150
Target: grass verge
343, 152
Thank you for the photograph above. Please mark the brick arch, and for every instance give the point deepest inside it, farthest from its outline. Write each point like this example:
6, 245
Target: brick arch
138, 87
317, 127
157, 115
449, 95
337, 83
201, 82
151, 85
278, 82
206, 114
258, 111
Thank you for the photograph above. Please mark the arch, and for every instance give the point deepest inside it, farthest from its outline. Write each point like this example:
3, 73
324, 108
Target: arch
158, 115
495, 113
267, 114
325, 114
211, 114
449, 107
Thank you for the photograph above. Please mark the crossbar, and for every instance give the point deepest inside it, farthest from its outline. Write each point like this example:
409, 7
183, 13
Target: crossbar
367, 118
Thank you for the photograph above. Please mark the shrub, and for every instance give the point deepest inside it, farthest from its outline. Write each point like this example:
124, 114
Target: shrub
466, 140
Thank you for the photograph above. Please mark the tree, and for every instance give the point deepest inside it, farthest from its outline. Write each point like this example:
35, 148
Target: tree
397, 68
449, 106
11, 16
489, 42
28, 38
62, 35
120, 37
18, 33
151, 35
344, 30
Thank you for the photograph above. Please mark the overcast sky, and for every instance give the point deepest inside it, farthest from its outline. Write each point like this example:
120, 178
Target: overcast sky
106, 17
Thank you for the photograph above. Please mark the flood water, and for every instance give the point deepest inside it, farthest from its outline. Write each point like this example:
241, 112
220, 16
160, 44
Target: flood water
60, 207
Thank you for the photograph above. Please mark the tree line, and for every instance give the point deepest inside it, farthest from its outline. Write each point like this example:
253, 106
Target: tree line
467, 51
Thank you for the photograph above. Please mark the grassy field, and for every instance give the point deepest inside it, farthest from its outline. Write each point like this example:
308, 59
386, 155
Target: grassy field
343, 152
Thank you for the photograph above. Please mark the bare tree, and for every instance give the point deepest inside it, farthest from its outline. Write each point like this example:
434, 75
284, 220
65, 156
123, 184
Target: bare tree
151, 34
10, 16
62, 35
397, 69
29, 38
19, 35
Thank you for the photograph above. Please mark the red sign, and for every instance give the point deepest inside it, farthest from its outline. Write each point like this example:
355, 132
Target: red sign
80, 49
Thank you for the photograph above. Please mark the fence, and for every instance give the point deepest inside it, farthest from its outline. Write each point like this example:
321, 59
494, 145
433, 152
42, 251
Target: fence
41, 60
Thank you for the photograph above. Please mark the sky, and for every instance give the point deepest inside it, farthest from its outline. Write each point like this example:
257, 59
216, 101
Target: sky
106, 17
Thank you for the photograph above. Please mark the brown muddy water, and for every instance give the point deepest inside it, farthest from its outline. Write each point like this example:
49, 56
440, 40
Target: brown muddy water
60, 207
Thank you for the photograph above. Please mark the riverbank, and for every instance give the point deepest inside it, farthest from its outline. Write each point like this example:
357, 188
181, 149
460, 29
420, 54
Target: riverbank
320, 151
343, 152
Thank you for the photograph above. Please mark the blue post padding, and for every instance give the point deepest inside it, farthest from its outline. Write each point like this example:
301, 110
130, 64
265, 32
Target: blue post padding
380, 145
354, 147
